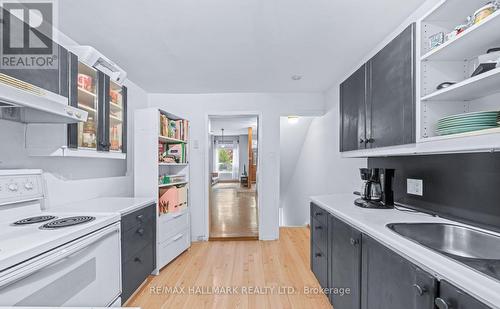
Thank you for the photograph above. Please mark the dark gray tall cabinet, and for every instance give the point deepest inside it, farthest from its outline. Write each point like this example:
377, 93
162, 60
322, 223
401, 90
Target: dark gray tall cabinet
353, 111
391, 93
344, 261
377, 102
390, 281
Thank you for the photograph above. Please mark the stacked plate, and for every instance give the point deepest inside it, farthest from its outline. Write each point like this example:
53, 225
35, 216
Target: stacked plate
468, 122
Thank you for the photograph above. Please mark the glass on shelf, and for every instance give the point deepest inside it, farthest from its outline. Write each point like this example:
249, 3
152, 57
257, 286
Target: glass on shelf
87, 100
116, 116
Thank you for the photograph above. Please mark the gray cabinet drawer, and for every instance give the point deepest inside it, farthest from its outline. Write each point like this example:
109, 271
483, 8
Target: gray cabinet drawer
140, 217
319, 234
319, 263
136, 239
136, 270
319, 214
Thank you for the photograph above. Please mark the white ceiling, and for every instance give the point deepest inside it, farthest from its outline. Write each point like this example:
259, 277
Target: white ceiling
194, 46
232, 125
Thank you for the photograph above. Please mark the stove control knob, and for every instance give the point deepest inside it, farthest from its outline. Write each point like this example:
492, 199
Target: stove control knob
12, 187
28, 186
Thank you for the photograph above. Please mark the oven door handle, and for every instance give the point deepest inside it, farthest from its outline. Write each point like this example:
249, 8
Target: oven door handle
22, 271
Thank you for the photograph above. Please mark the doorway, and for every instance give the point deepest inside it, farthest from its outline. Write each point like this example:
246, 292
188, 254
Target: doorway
233, 194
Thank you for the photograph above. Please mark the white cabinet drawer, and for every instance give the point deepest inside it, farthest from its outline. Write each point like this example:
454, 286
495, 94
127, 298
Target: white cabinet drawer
172, 225
174, 246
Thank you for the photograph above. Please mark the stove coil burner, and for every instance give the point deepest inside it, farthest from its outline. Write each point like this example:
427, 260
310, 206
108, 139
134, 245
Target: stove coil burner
65, 222
33, 220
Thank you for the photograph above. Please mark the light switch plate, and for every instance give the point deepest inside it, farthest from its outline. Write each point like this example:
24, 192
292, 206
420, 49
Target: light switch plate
415, 186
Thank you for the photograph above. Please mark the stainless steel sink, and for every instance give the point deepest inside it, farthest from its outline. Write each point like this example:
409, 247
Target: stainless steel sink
472, 247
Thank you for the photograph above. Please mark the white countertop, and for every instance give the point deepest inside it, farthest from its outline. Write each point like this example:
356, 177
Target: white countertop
373, 223
121, 205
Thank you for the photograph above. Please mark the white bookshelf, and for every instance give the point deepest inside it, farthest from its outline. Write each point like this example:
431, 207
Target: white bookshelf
173, 230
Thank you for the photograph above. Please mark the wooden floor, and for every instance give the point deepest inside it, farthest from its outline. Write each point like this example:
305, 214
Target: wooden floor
236, 265
233, 211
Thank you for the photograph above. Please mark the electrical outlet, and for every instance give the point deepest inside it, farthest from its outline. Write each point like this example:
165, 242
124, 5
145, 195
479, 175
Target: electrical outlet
415, 186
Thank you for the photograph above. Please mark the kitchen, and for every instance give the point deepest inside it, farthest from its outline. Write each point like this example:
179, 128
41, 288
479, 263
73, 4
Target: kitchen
104, 158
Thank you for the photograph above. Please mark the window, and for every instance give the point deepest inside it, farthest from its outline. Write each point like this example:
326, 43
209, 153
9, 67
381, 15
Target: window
225, 160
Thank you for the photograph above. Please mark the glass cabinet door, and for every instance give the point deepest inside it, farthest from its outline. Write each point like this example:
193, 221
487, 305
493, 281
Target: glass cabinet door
117, 113
88, 101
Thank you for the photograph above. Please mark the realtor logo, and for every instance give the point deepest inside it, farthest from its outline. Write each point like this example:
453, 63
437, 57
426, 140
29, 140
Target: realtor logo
27, 35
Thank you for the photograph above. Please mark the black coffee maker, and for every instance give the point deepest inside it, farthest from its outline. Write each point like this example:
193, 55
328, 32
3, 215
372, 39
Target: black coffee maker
376, 190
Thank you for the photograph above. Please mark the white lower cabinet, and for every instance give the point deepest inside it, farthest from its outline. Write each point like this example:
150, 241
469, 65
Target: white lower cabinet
174, 236
173, 246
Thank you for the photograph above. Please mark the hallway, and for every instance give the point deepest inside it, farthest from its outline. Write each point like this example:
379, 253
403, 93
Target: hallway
233, 211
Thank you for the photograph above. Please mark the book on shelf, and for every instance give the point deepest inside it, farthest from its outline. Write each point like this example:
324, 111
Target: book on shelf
176, 129
172, 153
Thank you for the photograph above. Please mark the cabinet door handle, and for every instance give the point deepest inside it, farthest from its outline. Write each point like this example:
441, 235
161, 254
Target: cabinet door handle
362, 141
137, 260
354, 242
139, 217
318, 254
370, 140
420, 290
140, 231
318, 227
441, 303
318, 214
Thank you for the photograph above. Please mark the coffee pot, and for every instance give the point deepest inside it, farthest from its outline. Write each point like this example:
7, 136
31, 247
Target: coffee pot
376, 189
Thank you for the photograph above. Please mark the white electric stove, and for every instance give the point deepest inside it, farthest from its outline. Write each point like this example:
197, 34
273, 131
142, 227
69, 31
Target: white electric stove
54, 258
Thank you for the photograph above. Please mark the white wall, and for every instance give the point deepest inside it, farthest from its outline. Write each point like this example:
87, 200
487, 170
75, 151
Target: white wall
196, 107
330, 173
319, 168
73, 179
292, 138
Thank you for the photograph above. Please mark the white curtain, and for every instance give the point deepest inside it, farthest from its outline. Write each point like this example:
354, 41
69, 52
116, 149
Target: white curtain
216, 157
236, 160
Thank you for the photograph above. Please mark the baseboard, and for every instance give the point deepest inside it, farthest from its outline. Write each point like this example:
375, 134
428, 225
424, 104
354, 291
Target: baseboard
236, 238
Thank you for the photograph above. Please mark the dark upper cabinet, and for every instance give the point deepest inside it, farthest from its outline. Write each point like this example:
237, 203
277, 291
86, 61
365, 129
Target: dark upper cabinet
390, 281
52, 71
377, 102
344, 261
55, 80
105, 101
353, 111
451, 297
391, 93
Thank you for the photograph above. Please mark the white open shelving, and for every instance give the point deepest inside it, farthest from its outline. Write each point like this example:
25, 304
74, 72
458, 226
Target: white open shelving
172, 164
164, 185
166, 139
454, 61
472, 42
470, 89
173, 231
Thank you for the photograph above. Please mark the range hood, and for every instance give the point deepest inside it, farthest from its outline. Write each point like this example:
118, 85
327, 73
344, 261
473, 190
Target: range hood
23, 102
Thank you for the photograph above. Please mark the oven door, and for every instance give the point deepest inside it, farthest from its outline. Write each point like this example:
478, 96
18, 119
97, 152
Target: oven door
85, 272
